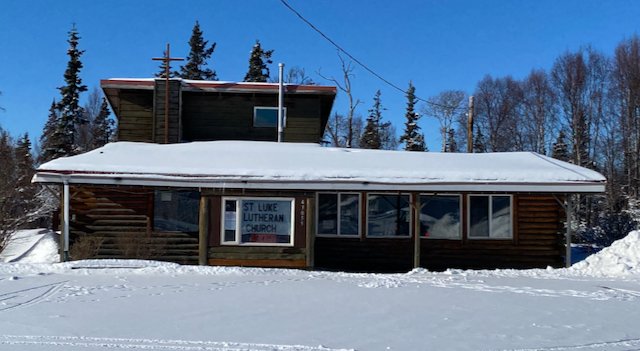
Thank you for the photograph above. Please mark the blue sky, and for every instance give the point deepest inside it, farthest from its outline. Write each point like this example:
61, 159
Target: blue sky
439, 45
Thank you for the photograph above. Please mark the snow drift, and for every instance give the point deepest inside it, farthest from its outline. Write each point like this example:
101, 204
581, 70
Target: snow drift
620, 259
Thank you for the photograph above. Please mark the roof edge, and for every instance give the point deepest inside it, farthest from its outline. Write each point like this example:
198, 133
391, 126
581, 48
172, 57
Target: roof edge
252, 183
218, 86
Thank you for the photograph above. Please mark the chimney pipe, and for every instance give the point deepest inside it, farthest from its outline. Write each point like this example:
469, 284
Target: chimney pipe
280, 101
470, 126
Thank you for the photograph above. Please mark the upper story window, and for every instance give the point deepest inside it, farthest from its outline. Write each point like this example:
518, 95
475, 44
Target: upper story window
389, 215
267, 116
440, 216
176, 210
490, 217
338, 214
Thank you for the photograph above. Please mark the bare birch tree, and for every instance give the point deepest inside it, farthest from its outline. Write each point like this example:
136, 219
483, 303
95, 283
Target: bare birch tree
446, 107
344, 84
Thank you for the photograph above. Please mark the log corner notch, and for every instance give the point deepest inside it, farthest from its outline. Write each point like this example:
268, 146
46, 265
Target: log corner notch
203, 230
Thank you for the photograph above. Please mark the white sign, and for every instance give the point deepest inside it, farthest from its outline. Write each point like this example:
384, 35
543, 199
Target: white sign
266, 221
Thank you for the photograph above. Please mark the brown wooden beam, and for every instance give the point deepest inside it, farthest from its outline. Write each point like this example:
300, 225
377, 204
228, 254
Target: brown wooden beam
310, 216
203, 229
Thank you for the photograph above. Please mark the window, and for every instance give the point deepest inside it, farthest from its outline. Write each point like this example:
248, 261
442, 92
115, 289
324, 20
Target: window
176, 210
389, 215
267, 117
440, 216
339, 214
257, 221
490, 217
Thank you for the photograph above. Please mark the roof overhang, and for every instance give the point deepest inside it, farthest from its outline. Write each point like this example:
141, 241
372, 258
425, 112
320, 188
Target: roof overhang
112, 88
158, 180
220, 86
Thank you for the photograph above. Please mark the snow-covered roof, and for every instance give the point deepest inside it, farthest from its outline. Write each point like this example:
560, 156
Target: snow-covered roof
270, 165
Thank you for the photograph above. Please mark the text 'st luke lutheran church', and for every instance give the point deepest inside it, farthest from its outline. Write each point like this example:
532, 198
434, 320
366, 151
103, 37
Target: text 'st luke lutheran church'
223, 192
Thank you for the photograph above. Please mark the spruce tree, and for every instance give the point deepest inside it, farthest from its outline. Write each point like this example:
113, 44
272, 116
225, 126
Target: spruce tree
102, 126
560, 148
7, 187
69, 106
163, 69
7, 160
24, 162
371, 137
198, 56
413, 139
258, 61
25, 190
50, 140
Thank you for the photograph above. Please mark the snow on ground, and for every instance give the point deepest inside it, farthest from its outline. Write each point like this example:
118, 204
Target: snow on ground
621, 258
31, 246
146, 305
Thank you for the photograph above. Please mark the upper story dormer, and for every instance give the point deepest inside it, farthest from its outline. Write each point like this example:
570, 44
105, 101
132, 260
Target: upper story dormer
213, 110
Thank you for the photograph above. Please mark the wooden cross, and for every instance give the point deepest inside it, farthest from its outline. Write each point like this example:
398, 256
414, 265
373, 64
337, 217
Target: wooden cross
167, 68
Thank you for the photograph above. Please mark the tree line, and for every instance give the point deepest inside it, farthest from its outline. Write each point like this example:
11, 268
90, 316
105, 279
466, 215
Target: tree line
585, 110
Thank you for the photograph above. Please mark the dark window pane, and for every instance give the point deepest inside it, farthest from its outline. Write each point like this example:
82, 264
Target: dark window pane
230, 220
388, 215
266, 221
501, 217
440, 216
479, 216
327, 214
349, 214
176, 210
265, 117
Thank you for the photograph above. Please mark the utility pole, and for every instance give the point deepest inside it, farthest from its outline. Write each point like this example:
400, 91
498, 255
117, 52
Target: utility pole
470, 126
167, 69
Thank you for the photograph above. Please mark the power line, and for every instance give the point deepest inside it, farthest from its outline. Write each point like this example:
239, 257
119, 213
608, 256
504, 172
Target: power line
386, 81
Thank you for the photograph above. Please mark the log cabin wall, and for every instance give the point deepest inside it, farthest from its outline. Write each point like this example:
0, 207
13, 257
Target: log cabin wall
537, 243
364, 255
175, 93
135, 116
294, 256
117, 222
229, 116
537, 240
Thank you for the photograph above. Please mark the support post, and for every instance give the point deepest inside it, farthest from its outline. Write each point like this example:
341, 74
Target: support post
203, 229
280, 101
310, 215
569, 211
65, 222
416, 231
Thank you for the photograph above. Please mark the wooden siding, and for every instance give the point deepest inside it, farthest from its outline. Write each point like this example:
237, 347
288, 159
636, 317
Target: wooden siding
259, 256
229, 116
135, 118
253, 256
120, 220
364, 255
174, 132
537, 243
